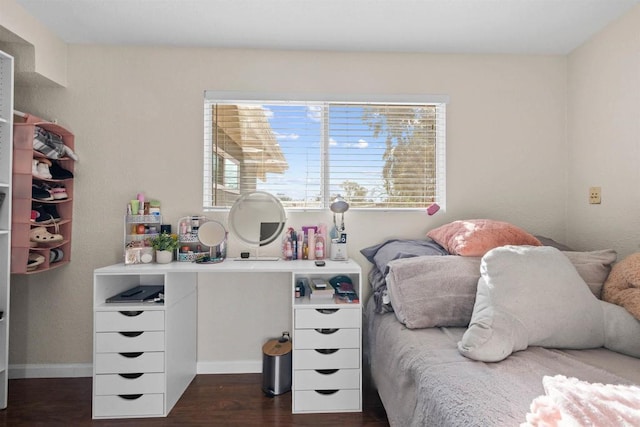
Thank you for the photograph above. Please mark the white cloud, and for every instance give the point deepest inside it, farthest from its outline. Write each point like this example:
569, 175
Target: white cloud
314, 113
333, 141
291, 136
360, 144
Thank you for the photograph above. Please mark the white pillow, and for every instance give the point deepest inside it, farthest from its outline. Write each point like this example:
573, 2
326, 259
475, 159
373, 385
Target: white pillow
534, 296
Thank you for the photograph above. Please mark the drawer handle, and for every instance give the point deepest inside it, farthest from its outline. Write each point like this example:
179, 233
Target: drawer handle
131, 313
131, 334
326, 350
327, 310
132, 355
130, 396
326, 331
326, 392
131, 376
327, 371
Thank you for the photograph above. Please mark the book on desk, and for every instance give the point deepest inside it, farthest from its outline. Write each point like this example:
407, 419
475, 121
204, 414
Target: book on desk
320, 290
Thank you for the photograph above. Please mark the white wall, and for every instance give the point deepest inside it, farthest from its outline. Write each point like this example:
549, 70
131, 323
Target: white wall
138, 119
604, 138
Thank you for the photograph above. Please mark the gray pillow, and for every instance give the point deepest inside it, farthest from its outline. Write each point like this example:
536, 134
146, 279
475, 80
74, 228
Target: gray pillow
441, 290
593, 267
534, 296
381, 254
433, 291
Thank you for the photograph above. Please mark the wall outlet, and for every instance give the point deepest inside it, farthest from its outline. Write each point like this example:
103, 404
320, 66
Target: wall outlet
595, 195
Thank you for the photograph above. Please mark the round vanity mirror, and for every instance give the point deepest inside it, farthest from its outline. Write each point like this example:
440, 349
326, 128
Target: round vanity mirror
214, 235
257, 218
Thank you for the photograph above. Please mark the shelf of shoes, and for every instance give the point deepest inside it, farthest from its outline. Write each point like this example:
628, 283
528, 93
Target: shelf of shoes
42, 202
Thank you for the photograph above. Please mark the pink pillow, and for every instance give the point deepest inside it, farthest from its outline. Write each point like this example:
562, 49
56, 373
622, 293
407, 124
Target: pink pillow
475, 237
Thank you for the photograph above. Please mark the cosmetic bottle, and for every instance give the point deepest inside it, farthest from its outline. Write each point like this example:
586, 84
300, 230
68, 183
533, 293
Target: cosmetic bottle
195, 225
294, 243
288, 250
319, 247
312, 244
300, 244
305, 247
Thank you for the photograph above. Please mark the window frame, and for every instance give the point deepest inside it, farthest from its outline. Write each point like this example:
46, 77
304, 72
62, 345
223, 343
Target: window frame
231, 97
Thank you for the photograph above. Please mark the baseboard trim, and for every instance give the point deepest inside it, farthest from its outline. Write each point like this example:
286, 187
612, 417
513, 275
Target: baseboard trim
230, 367
66, 370
74, 370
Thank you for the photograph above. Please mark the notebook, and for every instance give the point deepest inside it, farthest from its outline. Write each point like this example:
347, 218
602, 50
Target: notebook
139, 294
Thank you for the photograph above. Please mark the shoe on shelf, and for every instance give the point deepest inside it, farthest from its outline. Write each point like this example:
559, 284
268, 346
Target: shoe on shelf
43, 170
58, 172
59, 192
40, 169
34, 261
52, 212
44, 214
56, 255
40, 193
42, 235
39, 216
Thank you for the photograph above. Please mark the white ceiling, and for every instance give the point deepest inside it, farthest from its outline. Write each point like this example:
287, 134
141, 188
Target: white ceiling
439, 26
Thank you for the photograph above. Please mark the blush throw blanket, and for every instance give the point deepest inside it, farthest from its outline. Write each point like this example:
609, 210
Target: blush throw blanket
571, 402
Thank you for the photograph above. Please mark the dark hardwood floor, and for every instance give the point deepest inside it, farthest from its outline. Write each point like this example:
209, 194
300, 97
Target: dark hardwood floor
211, 400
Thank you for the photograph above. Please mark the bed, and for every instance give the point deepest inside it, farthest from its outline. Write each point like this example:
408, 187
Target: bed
417, 364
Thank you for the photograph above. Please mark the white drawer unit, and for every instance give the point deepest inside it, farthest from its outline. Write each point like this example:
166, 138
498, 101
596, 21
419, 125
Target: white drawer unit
126, 341
328, 318
128, 405
327, 355
335, 358
126, 363
129, 321
136, 383
327, 400
141, 351
327, 379
327, 338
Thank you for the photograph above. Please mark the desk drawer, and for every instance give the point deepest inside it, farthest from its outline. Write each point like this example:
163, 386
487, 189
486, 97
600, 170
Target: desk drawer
345, 358
328, 401
121, 321
128, 406
328, 318
129, 363
128, 384
329, 379
120, 342
326, 338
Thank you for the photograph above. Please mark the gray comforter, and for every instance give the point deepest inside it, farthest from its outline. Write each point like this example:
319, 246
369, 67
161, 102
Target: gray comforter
423, 380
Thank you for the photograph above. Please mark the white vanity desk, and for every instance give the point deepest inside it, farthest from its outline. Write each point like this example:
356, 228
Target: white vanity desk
145, 355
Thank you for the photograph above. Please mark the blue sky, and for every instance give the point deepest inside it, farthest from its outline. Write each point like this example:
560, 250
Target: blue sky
298, 131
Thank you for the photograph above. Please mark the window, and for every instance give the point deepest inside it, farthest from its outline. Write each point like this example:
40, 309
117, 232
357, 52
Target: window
386, 155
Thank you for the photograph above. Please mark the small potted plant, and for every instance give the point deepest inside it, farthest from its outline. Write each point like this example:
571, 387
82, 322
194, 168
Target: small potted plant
164, 244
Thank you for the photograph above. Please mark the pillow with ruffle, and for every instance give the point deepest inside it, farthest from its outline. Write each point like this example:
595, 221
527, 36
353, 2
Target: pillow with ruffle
475, 237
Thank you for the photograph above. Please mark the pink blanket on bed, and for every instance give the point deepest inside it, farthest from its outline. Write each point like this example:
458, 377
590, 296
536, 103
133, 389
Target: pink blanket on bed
571, 402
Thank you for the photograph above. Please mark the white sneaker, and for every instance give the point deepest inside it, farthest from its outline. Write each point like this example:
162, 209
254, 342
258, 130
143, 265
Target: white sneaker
43, 170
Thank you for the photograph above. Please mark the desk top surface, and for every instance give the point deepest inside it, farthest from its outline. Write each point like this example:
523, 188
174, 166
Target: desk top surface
234, 266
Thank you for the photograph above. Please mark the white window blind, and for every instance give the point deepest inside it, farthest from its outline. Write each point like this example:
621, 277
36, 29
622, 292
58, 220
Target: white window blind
374, 154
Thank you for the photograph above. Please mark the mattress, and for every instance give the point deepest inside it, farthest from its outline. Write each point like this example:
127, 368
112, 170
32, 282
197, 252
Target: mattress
422, 380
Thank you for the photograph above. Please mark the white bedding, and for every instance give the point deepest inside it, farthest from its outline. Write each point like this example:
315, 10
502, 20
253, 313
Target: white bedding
424, 381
